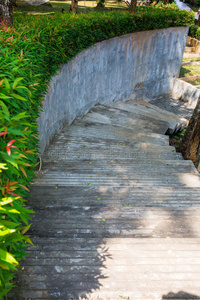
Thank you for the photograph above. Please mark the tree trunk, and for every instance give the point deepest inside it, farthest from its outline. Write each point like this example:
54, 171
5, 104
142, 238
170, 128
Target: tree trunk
191, 140
6, 11
101, 4
14, 4
74, 6
133, 6
198, 14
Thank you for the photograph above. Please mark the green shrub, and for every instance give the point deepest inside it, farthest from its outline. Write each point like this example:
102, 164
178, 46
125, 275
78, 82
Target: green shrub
195, 32
171, 4
18, 151
30, 53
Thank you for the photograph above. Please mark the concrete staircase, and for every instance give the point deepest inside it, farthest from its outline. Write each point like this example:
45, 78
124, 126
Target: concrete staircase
117, 211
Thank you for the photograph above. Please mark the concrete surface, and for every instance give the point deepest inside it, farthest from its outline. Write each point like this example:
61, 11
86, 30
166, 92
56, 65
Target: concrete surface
141, 65
180, 108
186, 92
117, 212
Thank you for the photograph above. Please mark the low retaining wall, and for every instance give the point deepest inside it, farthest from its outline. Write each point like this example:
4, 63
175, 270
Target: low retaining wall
140, 65
186, 92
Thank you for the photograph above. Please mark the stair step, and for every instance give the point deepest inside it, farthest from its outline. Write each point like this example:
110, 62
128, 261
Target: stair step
143, 108
80, 197
67, 145
120, 221
120, 166
72, 153
114, 156
135, 292
134, 180
109, 115
70, 142
103, 131
163, 244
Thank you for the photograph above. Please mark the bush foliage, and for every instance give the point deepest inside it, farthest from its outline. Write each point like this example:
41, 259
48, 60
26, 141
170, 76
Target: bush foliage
195, 32
30, 53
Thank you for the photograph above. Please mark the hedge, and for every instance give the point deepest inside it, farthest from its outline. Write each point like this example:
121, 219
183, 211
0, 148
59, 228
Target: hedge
30, 53
194, 32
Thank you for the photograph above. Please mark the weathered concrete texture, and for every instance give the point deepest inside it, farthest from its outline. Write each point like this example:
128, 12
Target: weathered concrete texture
186, 92
180, 108
117, 212
141, 65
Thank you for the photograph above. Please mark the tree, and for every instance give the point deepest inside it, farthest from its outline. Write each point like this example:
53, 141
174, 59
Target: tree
14, 3
6, 11
74, 6
101, 3
133, 6
191, 140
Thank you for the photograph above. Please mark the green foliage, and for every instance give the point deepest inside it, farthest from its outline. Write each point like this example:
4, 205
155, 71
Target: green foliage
171, 4
175, 139
195, 32
30, 53
18, 148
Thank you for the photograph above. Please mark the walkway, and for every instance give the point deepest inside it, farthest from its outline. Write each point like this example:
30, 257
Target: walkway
117, 212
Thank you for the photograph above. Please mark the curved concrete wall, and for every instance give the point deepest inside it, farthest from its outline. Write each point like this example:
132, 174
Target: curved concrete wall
138, 65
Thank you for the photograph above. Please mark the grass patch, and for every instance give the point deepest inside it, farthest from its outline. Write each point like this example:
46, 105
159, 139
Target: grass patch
191, 59
195, 82
189, 70
83, 7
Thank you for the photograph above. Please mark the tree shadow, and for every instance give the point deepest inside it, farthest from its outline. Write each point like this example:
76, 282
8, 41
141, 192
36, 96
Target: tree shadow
184, 72
180, 295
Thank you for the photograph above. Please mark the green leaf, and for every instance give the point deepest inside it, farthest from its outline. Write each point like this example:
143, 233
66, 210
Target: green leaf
6, 256
5, 109
8, 224
4, 266
7, 83
15, 131
15, 83
9, 210
16, 96
29, 241
10, 160
3, 166
23, 87
7, 231
3, 96
20, 116
89, 184
26, 229
14, 237
6, 200
2, 117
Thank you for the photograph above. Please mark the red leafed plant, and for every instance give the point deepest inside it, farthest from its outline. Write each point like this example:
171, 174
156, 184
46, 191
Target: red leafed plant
9, 146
